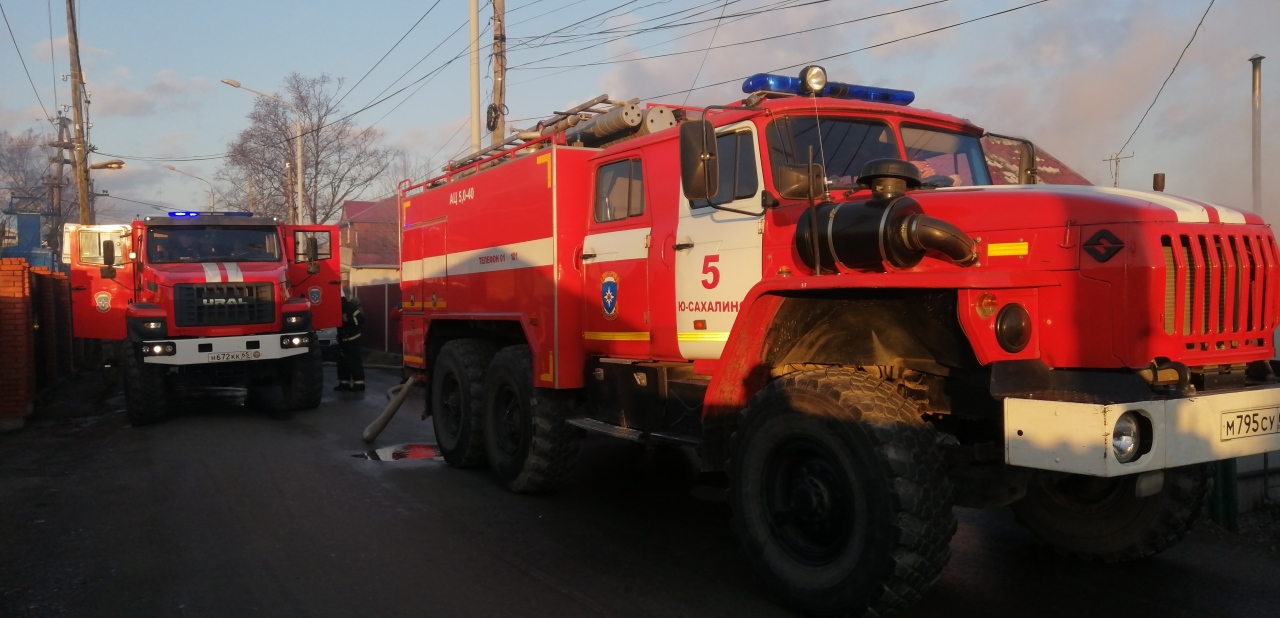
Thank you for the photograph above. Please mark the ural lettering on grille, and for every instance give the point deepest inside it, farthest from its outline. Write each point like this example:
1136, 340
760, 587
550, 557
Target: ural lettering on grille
222, 304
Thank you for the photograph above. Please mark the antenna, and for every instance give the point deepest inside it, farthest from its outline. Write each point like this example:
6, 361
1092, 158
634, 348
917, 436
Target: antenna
1114, 160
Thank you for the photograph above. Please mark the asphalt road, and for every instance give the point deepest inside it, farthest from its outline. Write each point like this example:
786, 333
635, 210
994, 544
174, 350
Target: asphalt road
223, 511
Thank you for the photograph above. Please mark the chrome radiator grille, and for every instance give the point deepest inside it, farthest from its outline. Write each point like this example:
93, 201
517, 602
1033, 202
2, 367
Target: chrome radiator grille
1216, 285
224, 304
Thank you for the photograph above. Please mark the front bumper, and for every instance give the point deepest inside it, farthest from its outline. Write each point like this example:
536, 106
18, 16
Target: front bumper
1076, 437
209, 351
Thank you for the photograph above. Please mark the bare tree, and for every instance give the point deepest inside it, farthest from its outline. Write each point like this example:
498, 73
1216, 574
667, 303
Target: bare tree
403, 166
341, 160
24, 164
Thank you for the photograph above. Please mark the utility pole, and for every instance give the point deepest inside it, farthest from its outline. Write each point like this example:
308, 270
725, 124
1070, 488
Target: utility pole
475, 75
1257, 133
80, 155
1114, 160
58, 180
497, 119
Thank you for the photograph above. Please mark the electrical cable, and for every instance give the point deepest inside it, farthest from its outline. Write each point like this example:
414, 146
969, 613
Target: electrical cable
384, 56
739, 43
24, 63
1170, 76
53, 65
706, 53
854, 51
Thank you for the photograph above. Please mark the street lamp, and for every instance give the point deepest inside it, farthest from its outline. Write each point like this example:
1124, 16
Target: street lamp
174, 169
297, 132
114, 164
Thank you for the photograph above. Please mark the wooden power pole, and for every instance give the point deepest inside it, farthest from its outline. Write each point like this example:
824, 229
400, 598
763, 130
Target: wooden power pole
80, 154
497, 119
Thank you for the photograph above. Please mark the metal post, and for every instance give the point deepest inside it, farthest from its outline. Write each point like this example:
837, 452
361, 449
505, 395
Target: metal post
1257, 132
301, 191
475, 75
499, 72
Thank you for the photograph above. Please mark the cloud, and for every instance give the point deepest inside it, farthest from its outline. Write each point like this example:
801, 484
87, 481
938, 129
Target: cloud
168, 91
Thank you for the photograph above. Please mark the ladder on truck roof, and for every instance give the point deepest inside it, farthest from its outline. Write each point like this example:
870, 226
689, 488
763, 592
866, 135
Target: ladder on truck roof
595, 124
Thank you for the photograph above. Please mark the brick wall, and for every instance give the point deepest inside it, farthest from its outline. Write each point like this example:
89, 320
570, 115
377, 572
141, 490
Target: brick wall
37, 347
17, 361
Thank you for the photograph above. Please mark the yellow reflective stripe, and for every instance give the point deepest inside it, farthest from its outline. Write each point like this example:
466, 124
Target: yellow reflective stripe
439, 304
412, 359
1007, 248
702, 336
616, 336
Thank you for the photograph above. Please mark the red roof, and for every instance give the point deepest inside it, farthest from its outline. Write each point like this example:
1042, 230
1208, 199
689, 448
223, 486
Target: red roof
1003, 158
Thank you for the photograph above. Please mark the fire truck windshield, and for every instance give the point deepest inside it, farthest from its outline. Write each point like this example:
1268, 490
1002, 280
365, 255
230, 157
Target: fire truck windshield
212, 243
945, 159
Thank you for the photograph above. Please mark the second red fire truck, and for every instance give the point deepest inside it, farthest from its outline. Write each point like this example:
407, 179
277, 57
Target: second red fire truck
820, 289
194, 300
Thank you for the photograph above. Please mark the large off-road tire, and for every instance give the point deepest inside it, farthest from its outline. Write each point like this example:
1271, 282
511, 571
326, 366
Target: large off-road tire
457, 400
146, 395
302, 380
530, 447
1099, 518
840, 495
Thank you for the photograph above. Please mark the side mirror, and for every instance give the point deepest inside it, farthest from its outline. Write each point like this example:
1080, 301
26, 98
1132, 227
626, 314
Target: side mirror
798, 181
108, 253
699, 160
1027, 172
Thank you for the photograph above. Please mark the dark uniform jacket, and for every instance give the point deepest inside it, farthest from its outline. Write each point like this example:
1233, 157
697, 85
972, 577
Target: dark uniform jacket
352, 320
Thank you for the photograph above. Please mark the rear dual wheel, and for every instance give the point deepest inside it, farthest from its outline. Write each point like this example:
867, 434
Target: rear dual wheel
457, 400
529, 445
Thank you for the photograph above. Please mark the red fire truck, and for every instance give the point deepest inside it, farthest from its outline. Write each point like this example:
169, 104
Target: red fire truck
207, 299
820, 289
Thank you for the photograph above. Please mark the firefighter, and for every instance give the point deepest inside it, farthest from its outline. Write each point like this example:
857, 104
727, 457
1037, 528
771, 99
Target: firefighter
350, 365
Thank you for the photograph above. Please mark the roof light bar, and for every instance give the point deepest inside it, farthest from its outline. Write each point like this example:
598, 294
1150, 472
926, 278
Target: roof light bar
836, 90
206, 213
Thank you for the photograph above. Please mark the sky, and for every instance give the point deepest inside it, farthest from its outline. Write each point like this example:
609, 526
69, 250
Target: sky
1074, 76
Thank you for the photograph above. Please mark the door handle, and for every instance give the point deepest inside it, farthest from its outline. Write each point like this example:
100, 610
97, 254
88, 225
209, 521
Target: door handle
335, 283
79, 288
682, 246
588, 256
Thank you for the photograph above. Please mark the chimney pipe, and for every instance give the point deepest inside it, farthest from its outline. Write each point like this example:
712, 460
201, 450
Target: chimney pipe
1257, 133
1157, 181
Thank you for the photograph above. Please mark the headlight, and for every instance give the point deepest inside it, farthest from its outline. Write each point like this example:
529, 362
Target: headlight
1013, 328
294, 341
1126, 437
293, 319
153, 325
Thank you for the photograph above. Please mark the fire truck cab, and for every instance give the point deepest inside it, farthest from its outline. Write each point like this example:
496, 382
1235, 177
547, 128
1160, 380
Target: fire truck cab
197, 299
820, 290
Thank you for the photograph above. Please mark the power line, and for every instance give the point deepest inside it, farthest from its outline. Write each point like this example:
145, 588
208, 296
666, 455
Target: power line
384, 56
728, 20
24, 64
1166, 80
854, 51
739, 43
53, 64
706, 53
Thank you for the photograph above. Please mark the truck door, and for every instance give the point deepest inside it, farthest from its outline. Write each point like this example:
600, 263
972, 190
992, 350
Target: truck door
324, 287
718, 254
100, 292
615, 258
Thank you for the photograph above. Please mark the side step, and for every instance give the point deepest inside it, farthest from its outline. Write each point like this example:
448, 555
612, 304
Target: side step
634, 435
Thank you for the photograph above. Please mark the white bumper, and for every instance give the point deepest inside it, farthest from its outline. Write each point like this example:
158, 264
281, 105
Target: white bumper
216, 350
1076, 437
